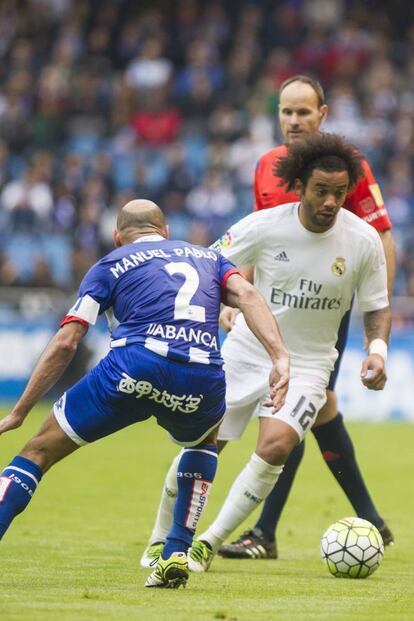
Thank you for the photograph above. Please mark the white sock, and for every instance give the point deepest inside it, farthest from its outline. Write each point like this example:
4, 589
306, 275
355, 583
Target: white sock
252, 485
165, 514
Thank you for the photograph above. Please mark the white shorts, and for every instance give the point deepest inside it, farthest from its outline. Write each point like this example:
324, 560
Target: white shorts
248, 388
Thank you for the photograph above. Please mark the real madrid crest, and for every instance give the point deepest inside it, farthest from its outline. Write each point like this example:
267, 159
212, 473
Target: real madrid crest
338, 266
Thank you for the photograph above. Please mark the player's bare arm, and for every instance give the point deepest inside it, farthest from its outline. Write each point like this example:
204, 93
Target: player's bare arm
228, 314
377, 329
261, 322
389, 252
49, 368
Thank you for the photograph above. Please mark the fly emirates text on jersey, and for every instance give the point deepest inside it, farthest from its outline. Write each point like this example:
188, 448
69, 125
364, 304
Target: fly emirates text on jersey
308, 297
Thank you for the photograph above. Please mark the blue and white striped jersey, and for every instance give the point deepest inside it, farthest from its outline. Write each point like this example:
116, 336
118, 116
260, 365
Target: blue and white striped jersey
162, 294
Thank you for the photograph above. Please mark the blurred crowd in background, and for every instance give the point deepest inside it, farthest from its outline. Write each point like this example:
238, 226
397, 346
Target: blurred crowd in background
175, 101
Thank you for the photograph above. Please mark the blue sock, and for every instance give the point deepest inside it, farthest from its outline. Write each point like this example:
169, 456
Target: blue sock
18, 483
196, 471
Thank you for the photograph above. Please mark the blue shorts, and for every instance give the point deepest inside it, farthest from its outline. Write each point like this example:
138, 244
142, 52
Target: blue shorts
340, 347
132, 384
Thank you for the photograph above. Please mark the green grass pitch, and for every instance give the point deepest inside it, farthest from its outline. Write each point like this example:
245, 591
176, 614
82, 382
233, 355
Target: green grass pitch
74, 554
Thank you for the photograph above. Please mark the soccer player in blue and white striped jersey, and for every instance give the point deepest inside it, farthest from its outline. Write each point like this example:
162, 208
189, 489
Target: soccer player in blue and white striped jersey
162, 300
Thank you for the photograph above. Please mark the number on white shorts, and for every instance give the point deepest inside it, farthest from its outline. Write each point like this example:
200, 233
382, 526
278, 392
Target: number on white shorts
307, 415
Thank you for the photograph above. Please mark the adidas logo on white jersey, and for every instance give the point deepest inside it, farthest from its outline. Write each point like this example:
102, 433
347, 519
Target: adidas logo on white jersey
282, 256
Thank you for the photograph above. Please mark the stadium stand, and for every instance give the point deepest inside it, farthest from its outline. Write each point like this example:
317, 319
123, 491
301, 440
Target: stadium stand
175, 101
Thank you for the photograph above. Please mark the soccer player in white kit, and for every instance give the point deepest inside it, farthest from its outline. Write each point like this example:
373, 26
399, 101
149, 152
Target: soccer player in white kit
310, 258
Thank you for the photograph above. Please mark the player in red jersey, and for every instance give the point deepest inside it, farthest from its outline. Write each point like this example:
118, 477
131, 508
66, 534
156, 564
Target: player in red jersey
302, 109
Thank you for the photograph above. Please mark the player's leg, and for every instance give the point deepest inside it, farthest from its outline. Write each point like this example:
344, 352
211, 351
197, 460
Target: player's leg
196, 469
262, 537
164, 518
195, 474
260, 541
277, 437
83, 414
196, 430
241, 400
241, 404
338, 452
165, 513
232, 427
254, 482
20, 478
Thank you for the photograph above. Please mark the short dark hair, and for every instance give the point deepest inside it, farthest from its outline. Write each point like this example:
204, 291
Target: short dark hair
327, 152
305, 79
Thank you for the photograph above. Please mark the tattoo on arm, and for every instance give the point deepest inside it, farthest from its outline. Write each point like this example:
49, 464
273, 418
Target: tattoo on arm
378, 324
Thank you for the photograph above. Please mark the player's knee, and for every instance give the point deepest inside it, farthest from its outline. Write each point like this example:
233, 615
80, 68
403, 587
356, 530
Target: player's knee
38, 452
274, 449
49, 446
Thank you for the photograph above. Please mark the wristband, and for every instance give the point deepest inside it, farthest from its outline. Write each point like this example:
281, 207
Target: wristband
380, 347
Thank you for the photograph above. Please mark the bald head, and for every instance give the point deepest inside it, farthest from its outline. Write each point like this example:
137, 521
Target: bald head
139, 217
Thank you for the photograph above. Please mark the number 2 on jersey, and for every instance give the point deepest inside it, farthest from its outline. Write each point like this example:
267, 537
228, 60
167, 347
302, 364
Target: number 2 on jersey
182, 307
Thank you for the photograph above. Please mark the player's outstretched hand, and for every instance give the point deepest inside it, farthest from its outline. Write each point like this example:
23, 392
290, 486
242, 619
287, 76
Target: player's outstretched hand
373, 374
228, 317
279, 382
11, 421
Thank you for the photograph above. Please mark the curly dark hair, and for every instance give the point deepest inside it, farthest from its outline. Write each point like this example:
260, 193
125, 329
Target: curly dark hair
327, 152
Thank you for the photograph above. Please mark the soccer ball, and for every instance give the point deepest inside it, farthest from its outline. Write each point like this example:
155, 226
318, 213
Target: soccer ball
352, 548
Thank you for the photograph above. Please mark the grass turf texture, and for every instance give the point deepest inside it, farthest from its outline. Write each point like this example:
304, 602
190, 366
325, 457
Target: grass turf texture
74, 554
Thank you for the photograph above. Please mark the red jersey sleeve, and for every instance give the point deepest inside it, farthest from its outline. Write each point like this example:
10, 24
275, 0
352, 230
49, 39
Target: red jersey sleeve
366, 201
257, 178
270, 191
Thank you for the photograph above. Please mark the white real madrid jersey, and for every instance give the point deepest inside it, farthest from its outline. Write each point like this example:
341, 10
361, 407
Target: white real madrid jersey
308, 279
